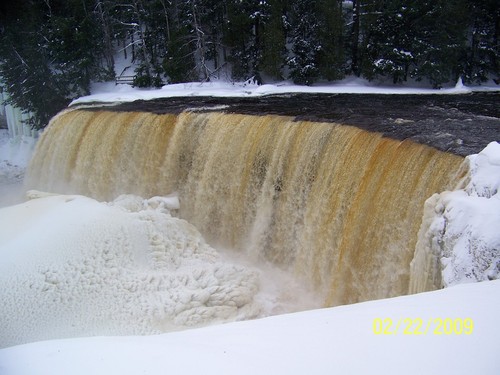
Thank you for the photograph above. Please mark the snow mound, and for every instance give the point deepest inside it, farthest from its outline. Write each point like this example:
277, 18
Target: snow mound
460, 234
484, 172
470, 223
340, 340
72, 266
10, 173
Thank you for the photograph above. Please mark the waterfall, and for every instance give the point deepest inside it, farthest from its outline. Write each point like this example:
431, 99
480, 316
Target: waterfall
337, 206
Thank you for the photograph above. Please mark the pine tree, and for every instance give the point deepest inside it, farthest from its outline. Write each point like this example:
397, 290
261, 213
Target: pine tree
50, 53
179, 64
424, 40
304, 38
27, 77
482, 59
331, 60
389, 48
243, 36
354, 31
273, 38
72, 40
441, 40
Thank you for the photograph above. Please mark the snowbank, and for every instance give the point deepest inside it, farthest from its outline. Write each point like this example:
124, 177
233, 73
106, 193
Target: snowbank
111, 93
72, 266
339, 340
471, 223
459, 241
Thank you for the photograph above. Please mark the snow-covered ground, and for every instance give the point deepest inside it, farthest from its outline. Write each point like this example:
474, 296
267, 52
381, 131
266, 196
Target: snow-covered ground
71, 267
111, 93
341, 340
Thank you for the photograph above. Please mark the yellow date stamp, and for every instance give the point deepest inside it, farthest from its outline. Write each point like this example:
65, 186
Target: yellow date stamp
419, 326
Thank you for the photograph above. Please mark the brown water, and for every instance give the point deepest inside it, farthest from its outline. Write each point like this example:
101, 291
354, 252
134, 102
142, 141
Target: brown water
338, 206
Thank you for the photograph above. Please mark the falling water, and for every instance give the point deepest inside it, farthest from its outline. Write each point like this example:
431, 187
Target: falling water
337, 206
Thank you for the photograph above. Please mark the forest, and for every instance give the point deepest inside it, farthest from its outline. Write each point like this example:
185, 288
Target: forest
52, 50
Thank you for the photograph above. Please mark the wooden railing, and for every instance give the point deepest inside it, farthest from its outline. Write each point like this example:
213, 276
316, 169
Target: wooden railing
128, 80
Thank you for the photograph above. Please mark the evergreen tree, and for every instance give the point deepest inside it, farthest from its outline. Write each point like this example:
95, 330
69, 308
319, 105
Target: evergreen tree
72, 40
243, 37
483, 49
389, 49
49, 56
304, 38
421, 39
52, 50
27, 76
179, 64
354, 31
331, 60
274, 37
137, 20
440, 41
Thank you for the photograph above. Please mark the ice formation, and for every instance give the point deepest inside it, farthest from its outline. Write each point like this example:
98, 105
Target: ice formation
459, 240
72, 266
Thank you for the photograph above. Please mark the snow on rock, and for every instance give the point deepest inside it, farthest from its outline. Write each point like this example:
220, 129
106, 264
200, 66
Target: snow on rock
72, 266
471, 238
459, 240
485, 172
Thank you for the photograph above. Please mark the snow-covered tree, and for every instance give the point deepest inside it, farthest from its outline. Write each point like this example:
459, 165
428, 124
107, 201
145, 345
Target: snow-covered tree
331, 57
441, 40
420, 39
389, 48
482, 60
305, 42
48, 55
273, 39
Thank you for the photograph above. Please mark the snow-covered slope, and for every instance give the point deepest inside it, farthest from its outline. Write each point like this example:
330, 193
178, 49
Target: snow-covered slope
462, 338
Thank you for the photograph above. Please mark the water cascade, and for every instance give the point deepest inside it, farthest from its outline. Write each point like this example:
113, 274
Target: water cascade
337, 206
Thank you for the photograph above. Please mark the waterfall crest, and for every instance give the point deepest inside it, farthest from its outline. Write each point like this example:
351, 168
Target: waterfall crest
338, 206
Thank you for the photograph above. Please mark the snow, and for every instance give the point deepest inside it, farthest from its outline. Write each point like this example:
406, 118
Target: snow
15, 151
465, 228
111, 93
337, 340
72, 266
14, 156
